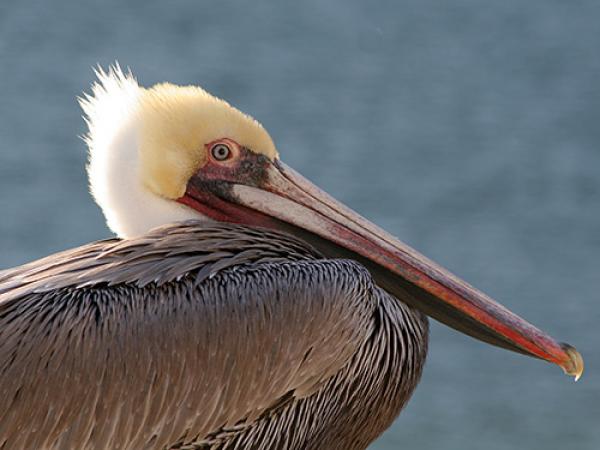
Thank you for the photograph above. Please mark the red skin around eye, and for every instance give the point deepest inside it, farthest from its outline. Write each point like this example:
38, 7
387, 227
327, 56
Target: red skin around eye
231, 144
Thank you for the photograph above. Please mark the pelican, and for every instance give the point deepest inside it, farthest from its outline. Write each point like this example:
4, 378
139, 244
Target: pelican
239, 307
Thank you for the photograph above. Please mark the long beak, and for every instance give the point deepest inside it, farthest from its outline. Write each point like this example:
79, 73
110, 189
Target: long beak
340, 232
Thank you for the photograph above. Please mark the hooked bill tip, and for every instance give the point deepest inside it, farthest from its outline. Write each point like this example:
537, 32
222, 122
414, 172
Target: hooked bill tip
574, 366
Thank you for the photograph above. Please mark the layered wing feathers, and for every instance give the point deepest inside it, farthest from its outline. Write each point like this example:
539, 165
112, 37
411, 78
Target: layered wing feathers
148, 342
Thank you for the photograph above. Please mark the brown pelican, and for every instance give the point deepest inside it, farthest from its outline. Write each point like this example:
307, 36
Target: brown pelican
240, 308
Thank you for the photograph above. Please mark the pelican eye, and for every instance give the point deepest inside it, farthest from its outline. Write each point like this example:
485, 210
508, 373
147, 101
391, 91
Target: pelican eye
220, 152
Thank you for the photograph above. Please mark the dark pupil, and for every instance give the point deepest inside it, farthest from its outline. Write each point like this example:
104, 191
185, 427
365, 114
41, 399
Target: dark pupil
221, 152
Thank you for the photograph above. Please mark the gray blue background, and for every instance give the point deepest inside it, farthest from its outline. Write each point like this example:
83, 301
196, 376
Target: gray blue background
469, 129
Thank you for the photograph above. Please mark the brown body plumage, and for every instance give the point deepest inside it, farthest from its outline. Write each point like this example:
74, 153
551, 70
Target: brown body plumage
202, 337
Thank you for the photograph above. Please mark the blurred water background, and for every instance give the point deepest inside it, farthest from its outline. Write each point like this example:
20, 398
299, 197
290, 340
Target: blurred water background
469, 129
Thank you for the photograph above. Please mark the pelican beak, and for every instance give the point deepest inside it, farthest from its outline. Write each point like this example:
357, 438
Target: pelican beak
337, 231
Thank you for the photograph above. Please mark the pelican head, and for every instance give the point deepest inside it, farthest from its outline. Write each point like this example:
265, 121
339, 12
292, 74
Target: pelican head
171, 153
